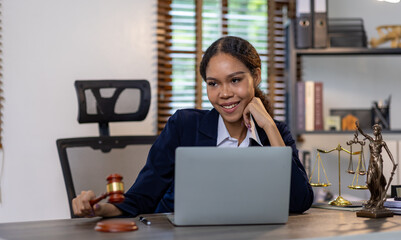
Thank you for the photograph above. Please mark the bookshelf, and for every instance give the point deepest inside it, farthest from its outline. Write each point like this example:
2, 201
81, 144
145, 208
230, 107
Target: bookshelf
293, 55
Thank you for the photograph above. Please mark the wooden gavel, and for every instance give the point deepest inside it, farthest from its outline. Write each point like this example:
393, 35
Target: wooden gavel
115, 190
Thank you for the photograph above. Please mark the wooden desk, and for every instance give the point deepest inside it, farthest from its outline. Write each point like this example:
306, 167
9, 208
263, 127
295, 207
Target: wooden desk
314, 223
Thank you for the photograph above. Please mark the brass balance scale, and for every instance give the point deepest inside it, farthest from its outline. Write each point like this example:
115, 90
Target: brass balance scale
360, 170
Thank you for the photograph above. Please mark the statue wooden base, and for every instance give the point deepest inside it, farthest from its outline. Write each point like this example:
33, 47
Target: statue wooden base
375, 213
116, 225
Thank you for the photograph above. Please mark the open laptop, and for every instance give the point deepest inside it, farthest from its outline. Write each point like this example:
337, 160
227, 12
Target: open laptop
226, 186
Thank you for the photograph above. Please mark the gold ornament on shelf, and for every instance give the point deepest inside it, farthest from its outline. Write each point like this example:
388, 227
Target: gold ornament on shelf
387, 33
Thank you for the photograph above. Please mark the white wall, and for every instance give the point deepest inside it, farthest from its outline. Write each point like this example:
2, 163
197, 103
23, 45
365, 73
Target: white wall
47, 45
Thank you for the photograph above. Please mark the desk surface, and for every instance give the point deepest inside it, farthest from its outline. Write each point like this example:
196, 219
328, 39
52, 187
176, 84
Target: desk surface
313, 223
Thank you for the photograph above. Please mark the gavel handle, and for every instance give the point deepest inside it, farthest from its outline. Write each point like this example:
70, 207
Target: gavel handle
96, 200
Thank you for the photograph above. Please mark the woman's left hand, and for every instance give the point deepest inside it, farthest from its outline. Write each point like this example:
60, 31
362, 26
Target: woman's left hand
259, 114
263, 119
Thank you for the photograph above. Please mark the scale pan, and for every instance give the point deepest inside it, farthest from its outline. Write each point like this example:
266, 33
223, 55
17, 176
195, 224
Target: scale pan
358, 187
320, 184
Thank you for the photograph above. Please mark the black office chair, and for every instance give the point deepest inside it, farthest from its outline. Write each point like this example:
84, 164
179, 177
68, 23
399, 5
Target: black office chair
87, 161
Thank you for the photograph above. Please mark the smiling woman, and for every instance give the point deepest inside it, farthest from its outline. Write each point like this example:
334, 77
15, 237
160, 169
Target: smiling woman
232, 72
186, 28
231, 68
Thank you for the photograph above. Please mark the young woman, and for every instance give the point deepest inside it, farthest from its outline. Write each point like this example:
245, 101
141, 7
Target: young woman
240, 117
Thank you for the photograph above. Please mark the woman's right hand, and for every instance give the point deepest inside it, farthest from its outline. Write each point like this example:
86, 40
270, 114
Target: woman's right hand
82, 207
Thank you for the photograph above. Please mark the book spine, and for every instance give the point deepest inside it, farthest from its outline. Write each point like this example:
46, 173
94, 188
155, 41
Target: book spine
319, 106
301, 106
309, 106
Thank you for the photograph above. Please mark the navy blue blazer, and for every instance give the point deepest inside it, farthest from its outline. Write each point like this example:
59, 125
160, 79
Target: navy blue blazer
153, 190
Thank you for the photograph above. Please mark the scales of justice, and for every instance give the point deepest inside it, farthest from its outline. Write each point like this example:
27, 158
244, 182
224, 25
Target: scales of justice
359, 172
375, 180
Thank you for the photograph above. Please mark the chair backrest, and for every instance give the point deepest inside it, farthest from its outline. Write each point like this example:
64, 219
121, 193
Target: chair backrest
86, 167
104, 101
87, 161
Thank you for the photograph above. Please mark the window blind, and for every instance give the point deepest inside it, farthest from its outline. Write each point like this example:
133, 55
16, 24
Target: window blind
278, 11
164, 63
187, 27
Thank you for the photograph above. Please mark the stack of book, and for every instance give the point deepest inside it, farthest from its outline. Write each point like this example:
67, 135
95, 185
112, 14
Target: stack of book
393, 205
310, 106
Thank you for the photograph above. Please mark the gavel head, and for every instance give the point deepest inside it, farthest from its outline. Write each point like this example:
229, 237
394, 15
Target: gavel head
115, 188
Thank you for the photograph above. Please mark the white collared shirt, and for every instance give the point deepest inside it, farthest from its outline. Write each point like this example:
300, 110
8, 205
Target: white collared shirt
225, 140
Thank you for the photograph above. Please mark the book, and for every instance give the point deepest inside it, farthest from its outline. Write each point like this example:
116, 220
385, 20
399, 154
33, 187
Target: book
396, 211
301, 106
319, 125
391, 203
309, 106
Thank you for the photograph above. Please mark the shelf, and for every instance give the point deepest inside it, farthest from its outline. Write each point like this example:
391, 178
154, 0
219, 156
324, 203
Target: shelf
396, 131
347, 51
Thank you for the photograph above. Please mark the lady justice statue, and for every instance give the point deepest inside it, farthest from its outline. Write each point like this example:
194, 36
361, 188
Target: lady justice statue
375, 180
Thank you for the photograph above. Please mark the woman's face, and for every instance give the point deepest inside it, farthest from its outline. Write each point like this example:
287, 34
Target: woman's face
230, 86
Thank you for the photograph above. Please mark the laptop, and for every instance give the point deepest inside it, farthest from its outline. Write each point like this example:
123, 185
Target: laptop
229, 186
